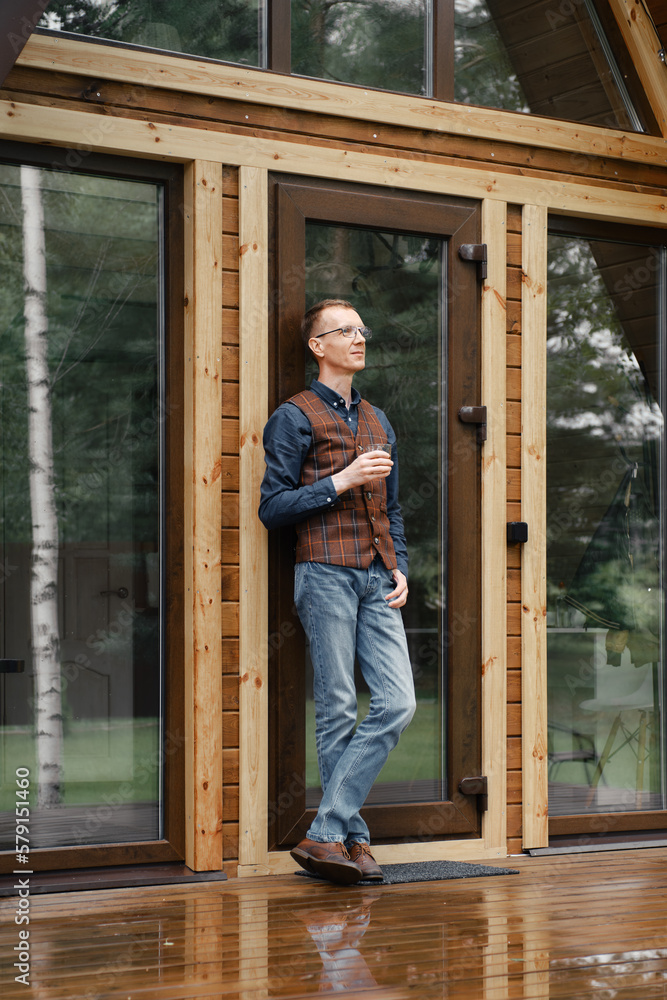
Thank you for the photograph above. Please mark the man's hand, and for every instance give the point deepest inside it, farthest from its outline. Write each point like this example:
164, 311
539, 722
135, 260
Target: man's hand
399, 596
369, 465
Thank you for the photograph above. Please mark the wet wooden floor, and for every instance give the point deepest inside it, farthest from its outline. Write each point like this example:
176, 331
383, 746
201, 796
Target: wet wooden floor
591, 927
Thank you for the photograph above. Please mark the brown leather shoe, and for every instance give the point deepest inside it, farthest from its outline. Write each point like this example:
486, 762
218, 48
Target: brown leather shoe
330, 860
360, 853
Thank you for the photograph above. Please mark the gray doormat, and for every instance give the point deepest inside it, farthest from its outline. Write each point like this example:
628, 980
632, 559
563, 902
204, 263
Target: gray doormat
427, 871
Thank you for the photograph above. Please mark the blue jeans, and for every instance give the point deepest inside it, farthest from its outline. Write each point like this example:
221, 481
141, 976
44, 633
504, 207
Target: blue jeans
344, 612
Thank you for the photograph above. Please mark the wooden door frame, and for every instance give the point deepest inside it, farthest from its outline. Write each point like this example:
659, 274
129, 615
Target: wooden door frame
171, 847
255, 858
294, 202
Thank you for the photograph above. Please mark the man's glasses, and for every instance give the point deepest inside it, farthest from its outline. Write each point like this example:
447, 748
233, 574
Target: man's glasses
349, 331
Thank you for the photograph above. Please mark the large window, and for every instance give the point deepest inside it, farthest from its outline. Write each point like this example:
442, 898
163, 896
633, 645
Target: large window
533, 57
84, 415
605, 548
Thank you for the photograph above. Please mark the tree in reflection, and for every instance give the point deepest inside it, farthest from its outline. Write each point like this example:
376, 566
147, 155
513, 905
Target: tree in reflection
218, 29
394, 280
80, 421
604, 431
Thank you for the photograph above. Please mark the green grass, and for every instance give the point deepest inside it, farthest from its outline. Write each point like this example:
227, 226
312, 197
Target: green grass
102, 761
417, 756
117, 759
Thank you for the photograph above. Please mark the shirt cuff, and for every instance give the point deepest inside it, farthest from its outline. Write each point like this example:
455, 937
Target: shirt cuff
324, 493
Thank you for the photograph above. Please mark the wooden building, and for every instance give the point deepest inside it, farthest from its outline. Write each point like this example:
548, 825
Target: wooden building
192, 207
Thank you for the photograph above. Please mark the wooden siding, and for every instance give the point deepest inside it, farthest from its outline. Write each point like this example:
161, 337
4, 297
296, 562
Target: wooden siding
230, 517
514, 826
245, 119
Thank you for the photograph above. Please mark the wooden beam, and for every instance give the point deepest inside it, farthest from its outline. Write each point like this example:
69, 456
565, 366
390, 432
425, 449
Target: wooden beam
85, 131
643, 45
253, 557
494, 547
202, 515
533, 511
156, 69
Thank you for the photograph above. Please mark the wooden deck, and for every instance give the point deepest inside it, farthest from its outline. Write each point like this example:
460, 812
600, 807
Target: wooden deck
584, 926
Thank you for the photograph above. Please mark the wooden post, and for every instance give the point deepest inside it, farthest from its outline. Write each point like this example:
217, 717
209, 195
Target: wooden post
644, 45
533, 511
203, 514
253, 554
494, 547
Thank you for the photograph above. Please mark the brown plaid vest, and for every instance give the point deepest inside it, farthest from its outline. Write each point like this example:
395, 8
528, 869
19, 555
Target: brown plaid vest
357, 528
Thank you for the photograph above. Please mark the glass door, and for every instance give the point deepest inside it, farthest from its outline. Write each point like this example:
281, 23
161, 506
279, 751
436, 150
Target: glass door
605, 550
399, 281
396, 259
82, 465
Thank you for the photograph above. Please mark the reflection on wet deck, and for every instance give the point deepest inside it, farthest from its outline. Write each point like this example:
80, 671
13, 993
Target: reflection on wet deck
581, 926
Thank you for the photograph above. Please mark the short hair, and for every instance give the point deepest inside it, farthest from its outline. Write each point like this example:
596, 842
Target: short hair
310, 318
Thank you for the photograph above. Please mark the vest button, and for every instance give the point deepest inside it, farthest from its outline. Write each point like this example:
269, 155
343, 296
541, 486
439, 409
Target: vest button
369, 495
377, 541
372, 517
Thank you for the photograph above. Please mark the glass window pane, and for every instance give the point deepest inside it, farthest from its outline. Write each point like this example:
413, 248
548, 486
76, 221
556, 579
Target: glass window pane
81, 412
379, 43
396, 281
605, 513
534, 56
483, 72
229, 30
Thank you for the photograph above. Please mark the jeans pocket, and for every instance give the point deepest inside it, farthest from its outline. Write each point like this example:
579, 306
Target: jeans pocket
298, 581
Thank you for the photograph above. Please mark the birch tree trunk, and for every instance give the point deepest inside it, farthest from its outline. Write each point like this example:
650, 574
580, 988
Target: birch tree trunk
44, 569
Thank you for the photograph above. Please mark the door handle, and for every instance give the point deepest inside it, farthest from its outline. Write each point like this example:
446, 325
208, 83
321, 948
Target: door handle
12, 666
122, 592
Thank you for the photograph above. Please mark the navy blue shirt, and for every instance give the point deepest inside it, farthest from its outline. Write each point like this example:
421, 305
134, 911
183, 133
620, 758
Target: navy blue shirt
287, 440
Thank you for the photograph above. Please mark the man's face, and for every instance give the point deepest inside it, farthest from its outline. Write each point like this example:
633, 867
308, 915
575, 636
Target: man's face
341, 354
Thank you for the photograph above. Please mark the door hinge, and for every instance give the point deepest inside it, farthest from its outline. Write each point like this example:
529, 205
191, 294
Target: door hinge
475, 415
477, 253
476, 786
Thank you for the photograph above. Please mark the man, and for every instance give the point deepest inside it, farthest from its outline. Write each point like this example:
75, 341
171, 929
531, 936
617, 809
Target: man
327, 473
